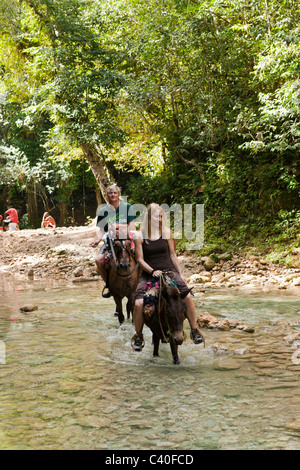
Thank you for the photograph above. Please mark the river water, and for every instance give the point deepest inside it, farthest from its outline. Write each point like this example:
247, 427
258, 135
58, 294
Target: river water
69, 378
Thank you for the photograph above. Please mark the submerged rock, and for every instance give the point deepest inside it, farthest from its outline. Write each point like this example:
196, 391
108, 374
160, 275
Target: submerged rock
220, 349
294, 425
84, 279
225, 365
248, 329
78, 272
291, 338
28, 308
30, 273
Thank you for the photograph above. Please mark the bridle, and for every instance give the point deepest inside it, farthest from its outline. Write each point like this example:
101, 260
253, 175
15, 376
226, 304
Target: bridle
164, 280
115, 266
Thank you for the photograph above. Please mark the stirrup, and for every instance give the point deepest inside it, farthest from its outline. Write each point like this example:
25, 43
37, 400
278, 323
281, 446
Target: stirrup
107, 294
137, 343
196, 336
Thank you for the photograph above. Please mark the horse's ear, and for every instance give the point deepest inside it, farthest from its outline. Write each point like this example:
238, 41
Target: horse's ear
185, 293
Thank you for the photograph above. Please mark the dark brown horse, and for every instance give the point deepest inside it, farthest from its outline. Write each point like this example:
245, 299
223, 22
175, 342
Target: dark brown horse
166, 323
123, 274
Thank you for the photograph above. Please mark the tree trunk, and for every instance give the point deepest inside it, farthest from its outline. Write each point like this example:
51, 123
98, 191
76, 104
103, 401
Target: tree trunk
63, 206
194, 164
98, 167
98, 196
32, 209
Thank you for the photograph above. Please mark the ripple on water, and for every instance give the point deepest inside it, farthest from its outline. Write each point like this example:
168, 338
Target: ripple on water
72, 380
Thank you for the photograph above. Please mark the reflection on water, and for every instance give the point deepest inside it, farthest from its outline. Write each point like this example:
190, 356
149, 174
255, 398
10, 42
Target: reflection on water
72, 381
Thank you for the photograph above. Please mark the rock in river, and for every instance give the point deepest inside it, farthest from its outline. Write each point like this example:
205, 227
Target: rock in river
295, 425
28, 308
206, 320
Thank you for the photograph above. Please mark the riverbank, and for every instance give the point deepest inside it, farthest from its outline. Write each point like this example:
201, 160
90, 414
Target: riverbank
64, 254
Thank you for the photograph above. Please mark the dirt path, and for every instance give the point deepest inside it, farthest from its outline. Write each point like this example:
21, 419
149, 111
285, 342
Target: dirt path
64, 254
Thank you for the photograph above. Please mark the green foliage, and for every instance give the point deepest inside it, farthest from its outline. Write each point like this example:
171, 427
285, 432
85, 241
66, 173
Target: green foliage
188, 102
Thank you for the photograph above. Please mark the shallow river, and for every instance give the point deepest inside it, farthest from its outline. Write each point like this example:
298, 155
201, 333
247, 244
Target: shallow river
69, 378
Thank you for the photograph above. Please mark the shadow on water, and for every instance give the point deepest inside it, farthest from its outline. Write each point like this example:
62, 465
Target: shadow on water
72, 381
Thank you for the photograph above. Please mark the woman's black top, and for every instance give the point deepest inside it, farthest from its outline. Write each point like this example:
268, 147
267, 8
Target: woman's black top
157, 255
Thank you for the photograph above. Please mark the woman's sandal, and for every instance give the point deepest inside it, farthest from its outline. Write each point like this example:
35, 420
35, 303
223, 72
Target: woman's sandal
197, 337
137, 343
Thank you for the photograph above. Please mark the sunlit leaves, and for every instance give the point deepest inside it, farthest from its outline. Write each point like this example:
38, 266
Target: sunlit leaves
163, 86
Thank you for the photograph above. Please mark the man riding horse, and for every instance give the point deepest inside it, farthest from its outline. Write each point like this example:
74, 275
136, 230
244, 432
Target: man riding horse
114, 220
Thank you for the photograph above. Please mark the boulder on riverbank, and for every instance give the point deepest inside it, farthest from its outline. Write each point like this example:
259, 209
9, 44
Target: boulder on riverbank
206, 320
65, 254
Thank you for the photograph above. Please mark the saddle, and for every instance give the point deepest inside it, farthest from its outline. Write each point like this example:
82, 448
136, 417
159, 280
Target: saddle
152, 292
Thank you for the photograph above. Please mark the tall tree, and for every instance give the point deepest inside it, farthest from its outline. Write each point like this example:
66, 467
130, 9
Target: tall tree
74, 72
84, 84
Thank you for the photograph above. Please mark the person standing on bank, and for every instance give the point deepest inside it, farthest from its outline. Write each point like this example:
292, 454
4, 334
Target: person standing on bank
12, 219
155, 253
115, 218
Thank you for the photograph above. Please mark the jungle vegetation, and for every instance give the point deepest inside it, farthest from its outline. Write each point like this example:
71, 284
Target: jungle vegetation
177, 101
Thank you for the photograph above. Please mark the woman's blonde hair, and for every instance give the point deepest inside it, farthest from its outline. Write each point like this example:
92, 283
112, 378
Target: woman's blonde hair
146, 225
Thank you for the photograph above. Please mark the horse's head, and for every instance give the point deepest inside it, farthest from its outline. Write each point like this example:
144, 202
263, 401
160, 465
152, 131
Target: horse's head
175, 312
123, 254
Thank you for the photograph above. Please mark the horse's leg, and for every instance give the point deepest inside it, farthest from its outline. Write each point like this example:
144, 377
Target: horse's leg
119, 309
129, 308
174, 350
130, 305
155, 340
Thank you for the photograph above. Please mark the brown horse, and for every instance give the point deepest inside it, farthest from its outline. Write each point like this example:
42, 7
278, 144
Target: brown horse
166, 323
123, 274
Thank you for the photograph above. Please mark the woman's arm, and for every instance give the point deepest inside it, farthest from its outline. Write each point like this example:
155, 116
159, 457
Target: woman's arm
139, 256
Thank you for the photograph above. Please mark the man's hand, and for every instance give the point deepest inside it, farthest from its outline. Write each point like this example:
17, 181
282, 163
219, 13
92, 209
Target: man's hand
95, 243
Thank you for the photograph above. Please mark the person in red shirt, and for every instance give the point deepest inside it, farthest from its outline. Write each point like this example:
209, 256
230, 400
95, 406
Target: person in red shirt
12, 219
13, 215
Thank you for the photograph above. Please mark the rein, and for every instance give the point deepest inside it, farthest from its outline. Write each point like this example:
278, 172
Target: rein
161, 282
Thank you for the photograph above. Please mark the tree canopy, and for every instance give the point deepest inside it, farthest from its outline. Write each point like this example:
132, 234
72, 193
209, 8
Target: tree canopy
183, 101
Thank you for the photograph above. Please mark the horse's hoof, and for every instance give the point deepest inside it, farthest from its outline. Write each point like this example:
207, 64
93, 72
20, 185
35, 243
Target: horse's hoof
176, 361
107, 294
